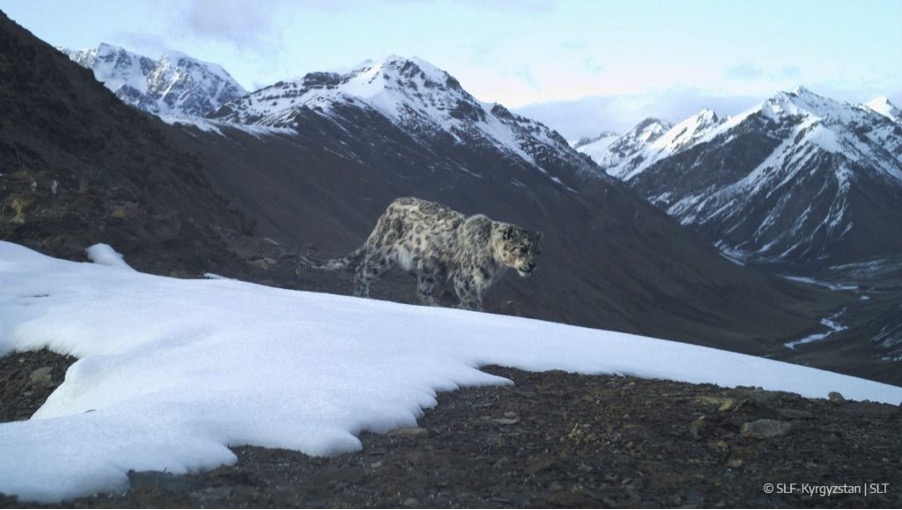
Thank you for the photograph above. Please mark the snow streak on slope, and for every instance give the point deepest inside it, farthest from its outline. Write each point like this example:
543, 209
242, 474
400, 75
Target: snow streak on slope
175, 84
172, 372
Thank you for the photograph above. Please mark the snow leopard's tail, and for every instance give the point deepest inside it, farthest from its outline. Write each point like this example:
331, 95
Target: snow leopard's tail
346, 263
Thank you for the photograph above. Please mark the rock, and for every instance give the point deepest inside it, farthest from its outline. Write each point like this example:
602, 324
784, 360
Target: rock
764, 429
209, 497
836, 397
41, 376
410, 432
696, 427
723, 404
795, 414
410, 503
540, 464
505, 421
265, 263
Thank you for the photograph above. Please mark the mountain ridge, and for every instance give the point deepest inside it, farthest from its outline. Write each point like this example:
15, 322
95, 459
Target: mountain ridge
423, 100
175, 84
740, 180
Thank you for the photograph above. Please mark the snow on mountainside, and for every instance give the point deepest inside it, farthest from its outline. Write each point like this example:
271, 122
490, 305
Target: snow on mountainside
800, 178
609, 151
175, 84
883, 106
425, 102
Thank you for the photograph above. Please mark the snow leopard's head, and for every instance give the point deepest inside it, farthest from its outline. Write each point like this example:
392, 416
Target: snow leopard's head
519, 248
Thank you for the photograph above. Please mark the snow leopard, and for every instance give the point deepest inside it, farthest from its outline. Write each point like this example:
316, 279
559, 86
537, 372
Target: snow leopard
438, 245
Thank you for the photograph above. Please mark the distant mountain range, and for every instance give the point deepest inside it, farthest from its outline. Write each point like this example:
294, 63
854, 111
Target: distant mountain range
174, 84
800, 179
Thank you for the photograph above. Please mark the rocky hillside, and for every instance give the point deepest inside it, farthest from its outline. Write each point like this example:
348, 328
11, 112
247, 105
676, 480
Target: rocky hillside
78, 166
551, 439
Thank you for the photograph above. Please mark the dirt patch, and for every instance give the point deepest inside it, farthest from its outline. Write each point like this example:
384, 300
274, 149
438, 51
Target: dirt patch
556, 439
27, 379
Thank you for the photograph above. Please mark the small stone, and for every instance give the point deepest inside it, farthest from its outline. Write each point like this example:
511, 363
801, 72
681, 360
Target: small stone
506, 421
410, 432
723, 403
764, 429
411, 503
795, 414
696, 427
41, 376
556, 487
264, 263
727, 405
836, 397
735, 464
211, 496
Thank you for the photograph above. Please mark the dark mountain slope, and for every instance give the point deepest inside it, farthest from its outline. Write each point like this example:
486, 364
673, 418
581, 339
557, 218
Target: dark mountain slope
79, 167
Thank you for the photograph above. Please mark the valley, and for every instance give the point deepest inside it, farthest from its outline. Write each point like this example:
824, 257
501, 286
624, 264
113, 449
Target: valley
310, 164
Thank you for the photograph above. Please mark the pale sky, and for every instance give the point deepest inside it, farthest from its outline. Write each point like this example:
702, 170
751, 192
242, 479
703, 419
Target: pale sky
637, 53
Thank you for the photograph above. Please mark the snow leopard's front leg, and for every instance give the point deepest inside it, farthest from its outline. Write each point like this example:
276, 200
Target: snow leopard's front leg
469, 292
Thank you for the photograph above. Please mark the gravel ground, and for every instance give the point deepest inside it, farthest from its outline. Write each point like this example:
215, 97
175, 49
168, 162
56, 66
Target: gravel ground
552, 439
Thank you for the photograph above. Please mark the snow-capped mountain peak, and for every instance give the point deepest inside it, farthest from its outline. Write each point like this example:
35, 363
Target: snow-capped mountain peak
117, 68
687, 132
406, 89
781, 181
803, 102
883, 106
424, 101
613, 152
174, 84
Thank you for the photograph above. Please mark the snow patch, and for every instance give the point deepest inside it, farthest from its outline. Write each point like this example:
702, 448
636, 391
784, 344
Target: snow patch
831, 325
104, 254
173, 372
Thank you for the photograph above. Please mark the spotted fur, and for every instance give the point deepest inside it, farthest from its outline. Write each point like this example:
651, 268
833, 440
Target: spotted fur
437, 245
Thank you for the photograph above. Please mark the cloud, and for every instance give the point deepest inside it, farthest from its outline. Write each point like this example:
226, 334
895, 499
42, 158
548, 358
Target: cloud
750, 72
591, 66
591, 116
744, 71
144, 43
246, 25
524, 73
